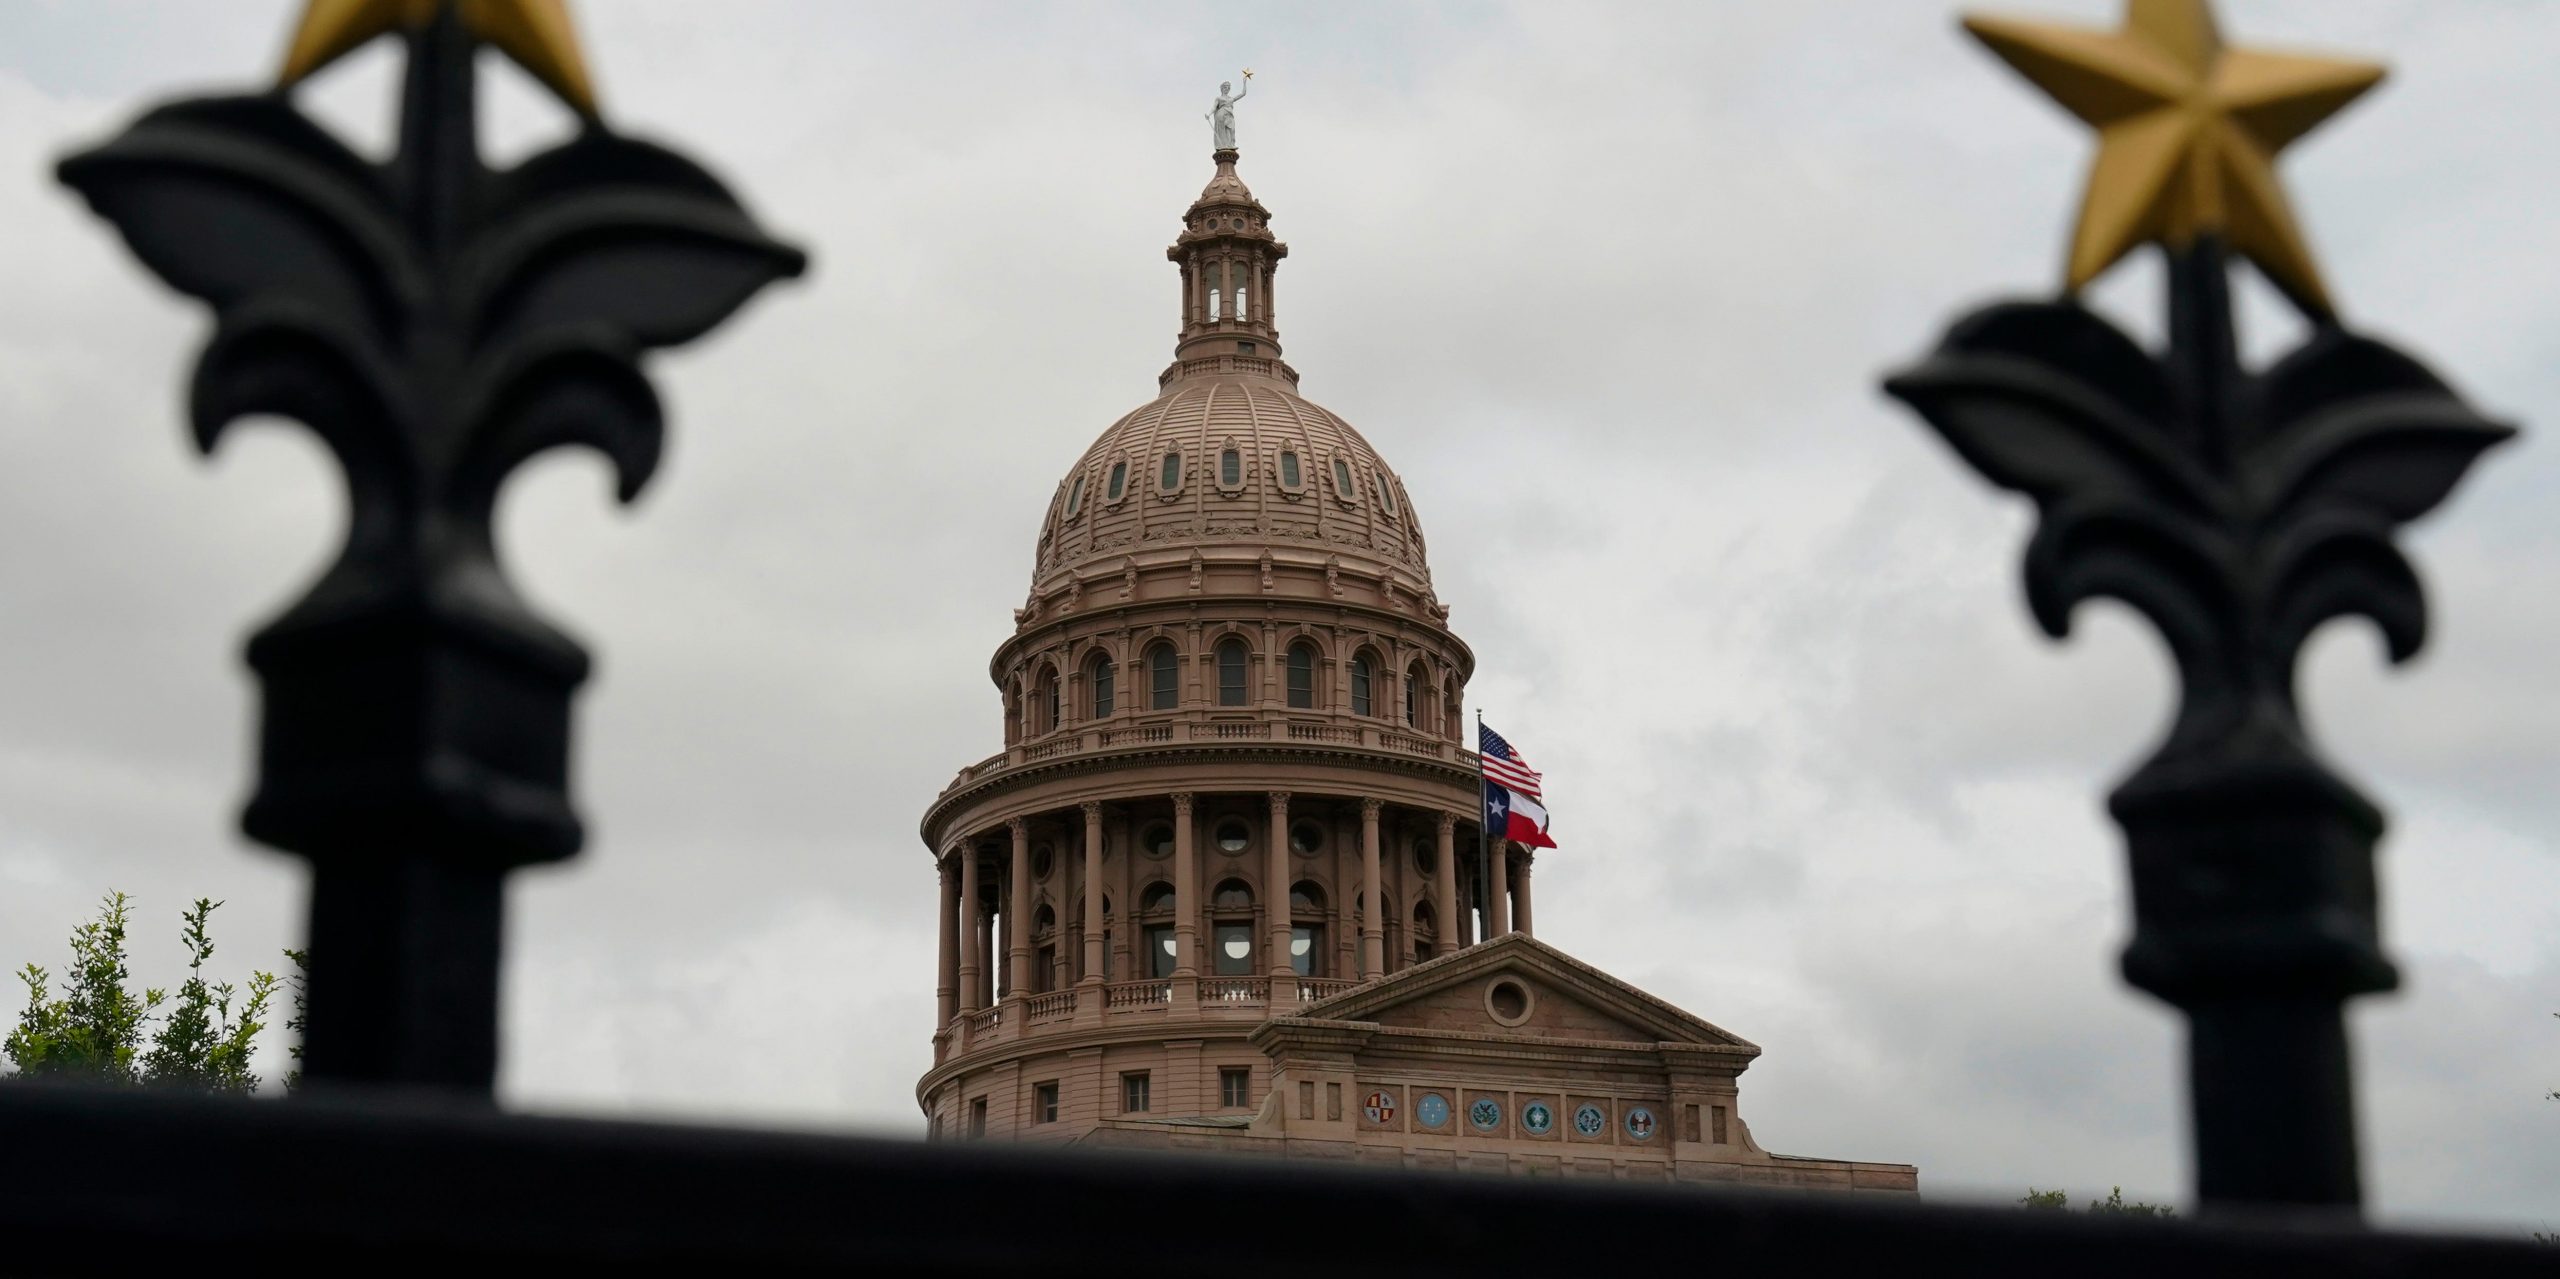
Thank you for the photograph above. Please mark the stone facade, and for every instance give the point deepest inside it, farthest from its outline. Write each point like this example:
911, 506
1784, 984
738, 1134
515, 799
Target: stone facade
1224, 888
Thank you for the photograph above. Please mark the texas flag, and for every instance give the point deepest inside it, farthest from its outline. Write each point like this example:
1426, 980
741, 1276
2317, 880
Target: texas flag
1512, 807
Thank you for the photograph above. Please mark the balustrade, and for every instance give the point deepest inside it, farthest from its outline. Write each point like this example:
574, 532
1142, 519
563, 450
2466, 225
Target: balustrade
1235, 990
1137, 994
1323, 733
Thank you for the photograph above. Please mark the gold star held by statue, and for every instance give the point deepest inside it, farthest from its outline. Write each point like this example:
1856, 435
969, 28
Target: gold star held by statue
2188, 130
536, 33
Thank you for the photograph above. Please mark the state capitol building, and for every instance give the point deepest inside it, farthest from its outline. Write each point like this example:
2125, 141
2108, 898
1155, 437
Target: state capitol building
1220, 890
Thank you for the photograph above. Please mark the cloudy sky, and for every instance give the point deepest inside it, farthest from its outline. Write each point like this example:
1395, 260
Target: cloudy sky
1612, 287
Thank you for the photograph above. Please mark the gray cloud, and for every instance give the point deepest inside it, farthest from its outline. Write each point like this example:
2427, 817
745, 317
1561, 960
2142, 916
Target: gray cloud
1611, 288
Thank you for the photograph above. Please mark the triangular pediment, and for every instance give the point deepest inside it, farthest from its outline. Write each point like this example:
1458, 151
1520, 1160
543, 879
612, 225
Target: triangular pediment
1516, 985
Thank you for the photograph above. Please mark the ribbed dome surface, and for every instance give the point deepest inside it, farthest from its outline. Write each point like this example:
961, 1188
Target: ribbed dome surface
1257, 504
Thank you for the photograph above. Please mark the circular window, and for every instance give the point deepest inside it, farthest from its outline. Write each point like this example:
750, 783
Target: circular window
1234, 836
1485, 1113
1426, 855
1431, 1110
1508, 1001
1537, 1118
1042, 859
1306, 839
1589, 1121
1157, 840
1639, 1123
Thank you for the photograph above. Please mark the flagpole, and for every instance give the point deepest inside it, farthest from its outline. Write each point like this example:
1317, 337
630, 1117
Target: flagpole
1484, 844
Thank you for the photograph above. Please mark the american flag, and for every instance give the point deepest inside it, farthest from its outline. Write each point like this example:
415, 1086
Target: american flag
1504, 766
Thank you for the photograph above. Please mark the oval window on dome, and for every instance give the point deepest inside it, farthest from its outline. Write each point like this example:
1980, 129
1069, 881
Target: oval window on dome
1169, 476
1119, 484
1290, 478
1386, 494
1342, 481
1230, 469
1075, 498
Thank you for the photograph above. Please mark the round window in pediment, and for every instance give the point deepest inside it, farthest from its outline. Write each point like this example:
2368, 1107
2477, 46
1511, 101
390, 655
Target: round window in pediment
1508, 1001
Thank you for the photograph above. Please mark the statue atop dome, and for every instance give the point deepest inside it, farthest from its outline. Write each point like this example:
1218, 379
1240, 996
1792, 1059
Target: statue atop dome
1222, 117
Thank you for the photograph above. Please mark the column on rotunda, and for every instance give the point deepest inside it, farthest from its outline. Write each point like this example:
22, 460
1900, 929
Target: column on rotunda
971, 961
1093, 891
1444, 885
946, 968
1276, 906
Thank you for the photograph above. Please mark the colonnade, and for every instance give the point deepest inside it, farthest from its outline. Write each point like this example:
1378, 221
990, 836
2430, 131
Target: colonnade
973, 974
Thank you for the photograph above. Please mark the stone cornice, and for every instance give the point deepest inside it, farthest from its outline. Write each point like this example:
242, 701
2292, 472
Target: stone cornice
1462, 780
1054, 627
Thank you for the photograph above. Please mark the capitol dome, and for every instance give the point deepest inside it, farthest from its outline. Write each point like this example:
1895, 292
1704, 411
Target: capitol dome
1233, 459
1234, 778
1229, 458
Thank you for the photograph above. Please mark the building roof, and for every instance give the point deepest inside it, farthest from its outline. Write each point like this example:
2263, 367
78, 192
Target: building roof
1302, 480
1633, 1010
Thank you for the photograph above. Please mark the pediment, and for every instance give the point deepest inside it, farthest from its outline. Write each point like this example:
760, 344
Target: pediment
1516, 985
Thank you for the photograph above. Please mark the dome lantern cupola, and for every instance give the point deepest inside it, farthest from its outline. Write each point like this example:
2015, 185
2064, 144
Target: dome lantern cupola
1228, 257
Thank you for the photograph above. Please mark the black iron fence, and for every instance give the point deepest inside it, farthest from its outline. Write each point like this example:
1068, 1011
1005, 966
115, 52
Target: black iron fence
437, 322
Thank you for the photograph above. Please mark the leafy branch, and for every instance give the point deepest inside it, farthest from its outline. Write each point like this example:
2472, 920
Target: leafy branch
96, 1032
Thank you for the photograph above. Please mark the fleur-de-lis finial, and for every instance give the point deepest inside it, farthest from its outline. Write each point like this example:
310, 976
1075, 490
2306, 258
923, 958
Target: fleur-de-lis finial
2238, 510
436, 323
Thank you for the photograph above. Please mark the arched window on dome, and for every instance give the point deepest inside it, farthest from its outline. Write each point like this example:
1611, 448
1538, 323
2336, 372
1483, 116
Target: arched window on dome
1230, 469
1231, 929
1156, 930
1169, 474
1302, 676
1044, 960
1363, 673
1044, 702
1449, 704
1342, 482
1164, 679
1306, 928
1413, 680
1119, 485
1101, 675
1075, 498
1231, 672
1386, 495
1217, 290
1292, 479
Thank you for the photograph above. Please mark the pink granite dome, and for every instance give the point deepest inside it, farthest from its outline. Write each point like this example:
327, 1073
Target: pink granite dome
1254, 466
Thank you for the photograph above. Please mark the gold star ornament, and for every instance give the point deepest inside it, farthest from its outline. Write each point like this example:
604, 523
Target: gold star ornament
2188, 130
536, 33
